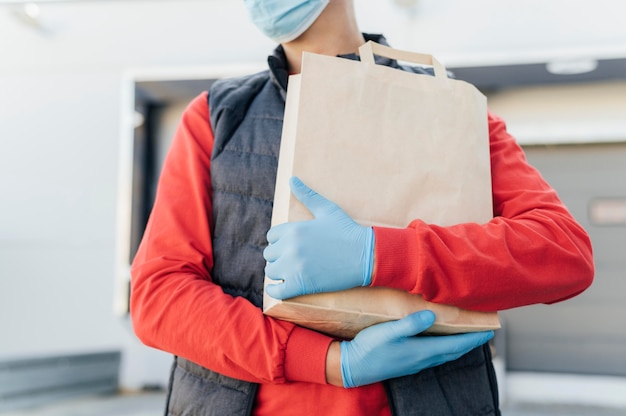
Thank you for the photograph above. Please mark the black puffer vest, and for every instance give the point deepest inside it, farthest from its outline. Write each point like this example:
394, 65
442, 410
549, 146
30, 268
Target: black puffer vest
246, 116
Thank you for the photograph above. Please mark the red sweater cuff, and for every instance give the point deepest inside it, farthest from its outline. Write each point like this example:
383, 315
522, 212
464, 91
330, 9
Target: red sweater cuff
396, 263
305, 356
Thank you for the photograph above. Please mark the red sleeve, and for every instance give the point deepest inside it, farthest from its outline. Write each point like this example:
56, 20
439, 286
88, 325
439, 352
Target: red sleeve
533, 251
174, 305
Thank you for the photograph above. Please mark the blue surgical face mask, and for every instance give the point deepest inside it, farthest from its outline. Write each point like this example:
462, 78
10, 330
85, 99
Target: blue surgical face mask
284, 20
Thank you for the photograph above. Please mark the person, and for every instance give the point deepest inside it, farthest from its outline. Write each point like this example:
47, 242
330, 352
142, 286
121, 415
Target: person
197, 278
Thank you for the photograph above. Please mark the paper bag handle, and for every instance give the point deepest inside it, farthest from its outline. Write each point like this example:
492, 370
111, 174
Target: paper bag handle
368, 49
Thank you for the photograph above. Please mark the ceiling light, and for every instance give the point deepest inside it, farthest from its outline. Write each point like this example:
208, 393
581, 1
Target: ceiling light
28, 13
572, 67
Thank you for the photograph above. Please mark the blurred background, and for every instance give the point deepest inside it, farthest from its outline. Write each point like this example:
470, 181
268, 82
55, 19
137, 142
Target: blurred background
91, 93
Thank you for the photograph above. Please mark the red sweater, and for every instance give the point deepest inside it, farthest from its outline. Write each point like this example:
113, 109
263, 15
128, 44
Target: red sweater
533, 251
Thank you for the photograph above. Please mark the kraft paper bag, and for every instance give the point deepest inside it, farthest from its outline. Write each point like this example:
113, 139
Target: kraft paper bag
388, 146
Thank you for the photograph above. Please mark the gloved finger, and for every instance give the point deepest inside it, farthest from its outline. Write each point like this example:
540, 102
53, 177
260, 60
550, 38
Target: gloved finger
280, 269
467, 342
316, 203
276, 232
287, 289
275, 290
272, 252
273, 271
408, 326
451, 347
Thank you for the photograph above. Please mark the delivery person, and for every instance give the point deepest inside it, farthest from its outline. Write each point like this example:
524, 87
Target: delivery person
197, 279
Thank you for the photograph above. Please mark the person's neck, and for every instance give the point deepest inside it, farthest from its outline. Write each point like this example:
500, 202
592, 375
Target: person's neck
335, 32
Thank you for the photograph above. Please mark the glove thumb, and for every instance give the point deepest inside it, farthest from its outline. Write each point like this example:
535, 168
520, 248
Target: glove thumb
314, 202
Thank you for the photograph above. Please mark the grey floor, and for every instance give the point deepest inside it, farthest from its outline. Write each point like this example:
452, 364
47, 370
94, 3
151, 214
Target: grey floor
151, 404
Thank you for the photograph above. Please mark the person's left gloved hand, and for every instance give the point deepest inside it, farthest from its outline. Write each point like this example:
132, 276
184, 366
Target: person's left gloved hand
392, 349
328, 253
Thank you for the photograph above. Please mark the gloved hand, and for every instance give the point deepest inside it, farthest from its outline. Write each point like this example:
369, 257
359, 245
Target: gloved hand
390, 349
329, 253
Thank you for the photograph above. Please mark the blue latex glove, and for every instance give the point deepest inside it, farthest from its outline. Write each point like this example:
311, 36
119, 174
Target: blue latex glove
390, 349
329, 253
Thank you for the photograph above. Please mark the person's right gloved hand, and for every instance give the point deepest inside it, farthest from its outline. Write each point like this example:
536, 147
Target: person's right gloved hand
391, 349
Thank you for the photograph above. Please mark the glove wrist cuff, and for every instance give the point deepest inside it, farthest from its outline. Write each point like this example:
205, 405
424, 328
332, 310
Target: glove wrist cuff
368, 261
346, 376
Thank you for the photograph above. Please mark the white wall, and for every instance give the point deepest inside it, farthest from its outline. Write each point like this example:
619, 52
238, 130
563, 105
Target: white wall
480, 32
61, 92
60, 123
